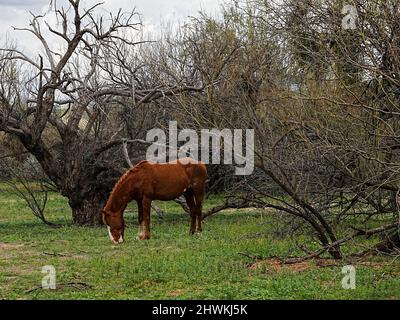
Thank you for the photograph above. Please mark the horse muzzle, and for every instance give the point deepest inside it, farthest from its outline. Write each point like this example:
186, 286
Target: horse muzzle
120, 240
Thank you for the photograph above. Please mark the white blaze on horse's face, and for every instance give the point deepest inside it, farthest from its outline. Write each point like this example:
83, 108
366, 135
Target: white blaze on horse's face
120, 240
109, 233
115, 228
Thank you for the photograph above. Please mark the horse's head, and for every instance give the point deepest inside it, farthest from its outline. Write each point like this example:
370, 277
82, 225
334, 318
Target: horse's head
115, 224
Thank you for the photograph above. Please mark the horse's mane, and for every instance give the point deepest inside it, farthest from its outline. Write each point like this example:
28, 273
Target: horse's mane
124, 177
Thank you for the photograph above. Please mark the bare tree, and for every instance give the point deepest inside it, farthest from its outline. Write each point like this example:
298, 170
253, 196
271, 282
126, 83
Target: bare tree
67, 107
323, 101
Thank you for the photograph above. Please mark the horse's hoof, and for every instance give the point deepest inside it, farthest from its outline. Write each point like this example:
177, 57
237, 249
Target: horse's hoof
195, 233
141, 238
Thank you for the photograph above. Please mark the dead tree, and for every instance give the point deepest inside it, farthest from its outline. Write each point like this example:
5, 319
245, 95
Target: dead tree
62, 106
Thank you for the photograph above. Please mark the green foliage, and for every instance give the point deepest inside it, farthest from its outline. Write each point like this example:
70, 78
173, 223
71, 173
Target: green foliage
171, 265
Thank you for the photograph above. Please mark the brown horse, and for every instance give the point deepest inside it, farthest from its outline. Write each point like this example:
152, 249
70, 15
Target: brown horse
149, 181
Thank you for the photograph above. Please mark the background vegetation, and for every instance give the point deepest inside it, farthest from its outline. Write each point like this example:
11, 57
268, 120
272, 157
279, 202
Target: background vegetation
322, 98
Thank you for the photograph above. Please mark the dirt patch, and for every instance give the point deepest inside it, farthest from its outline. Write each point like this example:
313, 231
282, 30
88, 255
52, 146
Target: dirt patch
176, 293
10, 246
371, 264
10, 250
13, 256
276, 265
148, 284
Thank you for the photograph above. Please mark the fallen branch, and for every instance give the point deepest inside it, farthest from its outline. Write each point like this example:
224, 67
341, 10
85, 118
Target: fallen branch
75, 285
371, 232
158, 210
367, 233
182, 202
391, 245
55, 254
228, 205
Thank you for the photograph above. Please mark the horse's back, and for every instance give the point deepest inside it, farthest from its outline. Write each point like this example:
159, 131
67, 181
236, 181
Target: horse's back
169, 180
195, 170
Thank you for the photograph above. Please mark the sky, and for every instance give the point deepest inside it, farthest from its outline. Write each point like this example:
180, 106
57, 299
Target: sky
155, 14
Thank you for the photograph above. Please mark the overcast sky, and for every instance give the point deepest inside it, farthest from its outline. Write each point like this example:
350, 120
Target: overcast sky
155, 13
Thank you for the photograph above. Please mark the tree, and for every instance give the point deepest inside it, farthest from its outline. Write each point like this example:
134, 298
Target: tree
323, 102
68, 107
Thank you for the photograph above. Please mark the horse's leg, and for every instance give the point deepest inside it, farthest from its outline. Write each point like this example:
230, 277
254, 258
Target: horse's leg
198, 198
141, 222
189, 197
146, 217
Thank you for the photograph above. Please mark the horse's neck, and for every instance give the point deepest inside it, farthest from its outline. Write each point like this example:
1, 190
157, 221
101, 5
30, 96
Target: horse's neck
120, 197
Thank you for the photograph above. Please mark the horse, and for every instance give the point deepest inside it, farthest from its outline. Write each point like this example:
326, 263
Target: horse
148, 181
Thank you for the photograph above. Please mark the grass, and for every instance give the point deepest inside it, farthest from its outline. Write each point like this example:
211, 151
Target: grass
171, 265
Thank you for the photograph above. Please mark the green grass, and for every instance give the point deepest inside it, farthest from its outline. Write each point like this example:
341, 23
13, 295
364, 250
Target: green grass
172, 265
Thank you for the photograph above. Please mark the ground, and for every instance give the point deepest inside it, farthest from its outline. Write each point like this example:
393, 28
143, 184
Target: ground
218, 264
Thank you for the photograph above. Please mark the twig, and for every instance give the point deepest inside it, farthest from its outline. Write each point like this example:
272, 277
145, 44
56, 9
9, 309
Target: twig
55, 254
76, 285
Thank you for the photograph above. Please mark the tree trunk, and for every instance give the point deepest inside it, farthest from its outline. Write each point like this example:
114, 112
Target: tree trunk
86, 211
